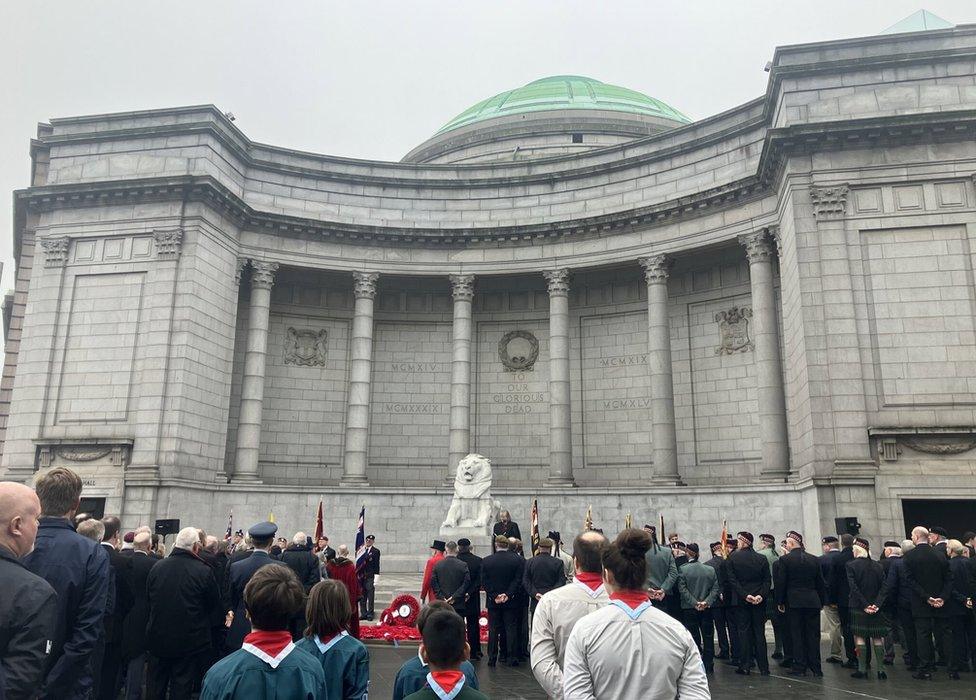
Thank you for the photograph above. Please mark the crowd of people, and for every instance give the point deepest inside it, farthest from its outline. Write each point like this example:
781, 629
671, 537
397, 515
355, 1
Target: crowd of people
89, 611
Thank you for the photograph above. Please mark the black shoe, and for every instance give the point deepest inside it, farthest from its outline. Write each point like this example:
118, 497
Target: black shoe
859, 674
953, 675
922, 676
833, 660
849, 664
797, 672
731, 662
514, 664
777, 655
882, 676
786, 663
742, 671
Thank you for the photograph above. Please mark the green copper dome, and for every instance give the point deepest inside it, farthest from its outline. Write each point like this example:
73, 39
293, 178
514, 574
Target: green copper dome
565, 92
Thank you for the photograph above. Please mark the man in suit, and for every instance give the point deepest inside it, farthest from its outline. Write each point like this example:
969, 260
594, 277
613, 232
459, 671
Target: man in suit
543, 573
109, 674
262, 538
828, 561
472, 597
501, 576
451, 578
801, 593
959, 607
748, 573
939, 539
368, 572
299, 558
134, 625
842, 597
721, 612
930, 581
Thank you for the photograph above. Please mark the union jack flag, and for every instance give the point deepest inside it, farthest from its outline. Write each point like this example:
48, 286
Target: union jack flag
535, 527
361, 540
230, 526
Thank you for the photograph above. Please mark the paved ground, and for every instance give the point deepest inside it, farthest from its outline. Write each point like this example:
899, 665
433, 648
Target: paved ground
504, 683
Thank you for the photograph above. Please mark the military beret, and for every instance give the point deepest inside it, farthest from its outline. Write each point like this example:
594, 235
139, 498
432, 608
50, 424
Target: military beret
747, 536
545, 543
794, 535
892, 543
464, 542
715, 545
554, 536
239, 533
438, 545
370, 537
262, 531
767, 538
829, 539
650, 527
861, 542
677, 545
129, 537
692, 547
940, 531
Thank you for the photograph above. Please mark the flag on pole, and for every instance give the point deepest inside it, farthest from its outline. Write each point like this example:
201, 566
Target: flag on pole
319, 528
588, 522
271, 516
361, 540
725, 539
535, 526
664, 540
628, 522
230, 526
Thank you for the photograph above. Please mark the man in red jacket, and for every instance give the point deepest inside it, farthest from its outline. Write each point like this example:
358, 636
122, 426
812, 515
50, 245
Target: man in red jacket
343, 569
436, 554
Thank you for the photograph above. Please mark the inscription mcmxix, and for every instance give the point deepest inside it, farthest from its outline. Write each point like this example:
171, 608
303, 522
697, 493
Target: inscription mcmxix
624, 360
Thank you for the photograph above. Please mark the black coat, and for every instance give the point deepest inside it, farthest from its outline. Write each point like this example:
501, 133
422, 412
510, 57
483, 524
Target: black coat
799, 581
718, 563
511, 529
120, 596
842, 589
300, 559
928, 576
78, 571
963, 585
899, 592
748, 573
28, 605
543, 573
866, 582
134, 625
182, 598
240, 573
474, 568
371, 563
450, 578
502, 572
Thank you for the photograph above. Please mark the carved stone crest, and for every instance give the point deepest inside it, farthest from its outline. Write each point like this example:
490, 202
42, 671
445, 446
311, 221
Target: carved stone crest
168, 243
733, 328
942, 446
55, 250
518, 351
305, 347
829, 202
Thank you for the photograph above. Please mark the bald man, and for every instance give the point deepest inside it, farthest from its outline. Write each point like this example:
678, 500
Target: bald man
28, 605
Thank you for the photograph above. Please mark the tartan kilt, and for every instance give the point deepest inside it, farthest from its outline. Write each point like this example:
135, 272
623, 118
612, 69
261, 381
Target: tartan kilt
870, 626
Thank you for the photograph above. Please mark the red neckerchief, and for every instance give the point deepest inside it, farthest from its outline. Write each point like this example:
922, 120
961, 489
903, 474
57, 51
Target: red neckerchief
447, 679
591, 581
271, 643
631, 599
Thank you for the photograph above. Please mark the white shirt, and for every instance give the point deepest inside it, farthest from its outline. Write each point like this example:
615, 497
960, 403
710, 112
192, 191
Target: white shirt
554, 618
616, 654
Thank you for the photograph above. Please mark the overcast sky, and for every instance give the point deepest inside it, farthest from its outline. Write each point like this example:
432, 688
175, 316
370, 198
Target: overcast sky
373, 79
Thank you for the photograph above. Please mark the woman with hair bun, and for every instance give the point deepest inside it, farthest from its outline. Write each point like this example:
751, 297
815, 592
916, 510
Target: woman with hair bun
630, 649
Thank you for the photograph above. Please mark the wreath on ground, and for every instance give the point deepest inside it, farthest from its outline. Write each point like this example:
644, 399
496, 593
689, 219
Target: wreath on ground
403, 612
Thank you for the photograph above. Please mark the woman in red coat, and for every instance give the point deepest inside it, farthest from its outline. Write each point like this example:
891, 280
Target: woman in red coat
343, 569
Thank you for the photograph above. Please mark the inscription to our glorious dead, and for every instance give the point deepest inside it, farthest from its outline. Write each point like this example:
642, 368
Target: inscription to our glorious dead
518, 396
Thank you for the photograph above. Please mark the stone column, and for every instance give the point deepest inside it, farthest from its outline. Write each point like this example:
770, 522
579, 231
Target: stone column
361, 357
663, 435
560, 416
252, 385
769, 369
459, 440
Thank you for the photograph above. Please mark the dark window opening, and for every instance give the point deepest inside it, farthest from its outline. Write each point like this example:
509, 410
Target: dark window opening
95, 507
577, 138
956, 516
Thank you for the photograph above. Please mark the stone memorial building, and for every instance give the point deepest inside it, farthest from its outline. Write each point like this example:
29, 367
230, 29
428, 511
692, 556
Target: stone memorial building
765, 316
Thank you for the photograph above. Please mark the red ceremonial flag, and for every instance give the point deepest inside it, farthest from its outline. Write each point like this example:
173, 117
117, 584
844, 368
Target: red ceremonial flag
535, 526
319, 529
725, 539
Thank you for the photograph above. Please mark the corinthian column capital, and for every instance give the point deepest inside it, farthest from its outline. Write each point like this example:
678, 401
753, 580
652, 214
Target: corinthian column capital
462, 287
263, 274
558, 281
364, 284
657, 268
758, 246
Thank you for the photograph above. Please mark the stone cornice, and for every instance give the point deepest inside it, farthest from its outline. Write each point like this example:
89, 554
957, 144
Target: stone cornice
779, 144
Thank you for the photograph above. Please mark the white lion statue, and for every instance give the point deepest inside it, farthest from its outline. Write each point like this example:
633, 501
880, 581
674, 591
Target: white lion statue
472, 505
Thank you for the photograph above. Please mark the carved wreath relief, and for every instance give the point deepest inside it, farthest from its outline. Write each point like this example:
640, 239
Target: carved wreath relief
305, 347
518, 351
733, 328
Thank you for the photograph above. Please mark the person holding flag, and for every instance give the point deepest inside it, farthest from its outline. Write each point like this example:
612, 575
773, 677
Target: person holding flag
368, 569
